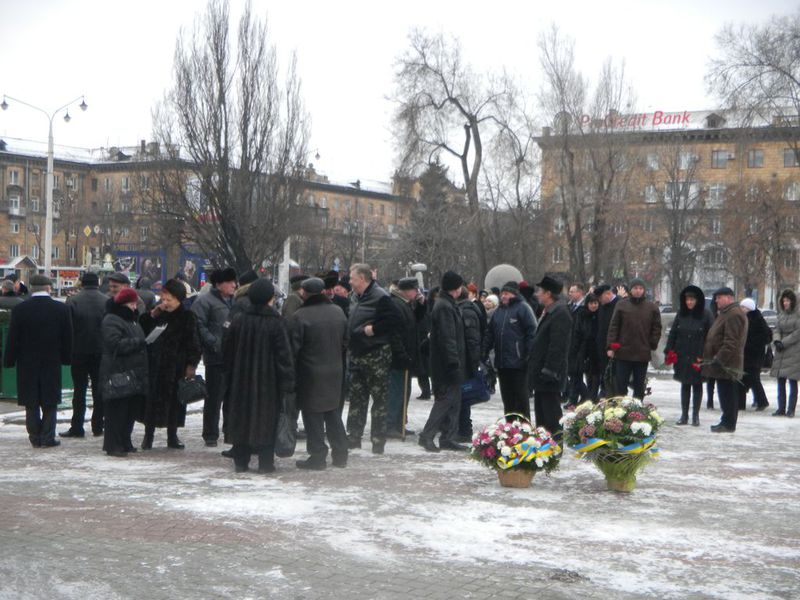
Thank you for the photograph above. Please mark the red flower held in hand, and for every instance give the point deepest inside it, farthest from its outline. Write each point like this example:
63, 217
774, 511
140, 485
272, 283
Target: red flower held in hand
615, 346
671, 358
696, 367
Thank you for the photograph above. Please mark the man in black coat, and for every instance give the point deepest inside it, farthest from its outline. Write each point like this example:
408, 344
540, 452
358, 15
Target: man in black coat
39, 342
8, 298
549, 355
448, 367
86, 309
608, 302
759, 335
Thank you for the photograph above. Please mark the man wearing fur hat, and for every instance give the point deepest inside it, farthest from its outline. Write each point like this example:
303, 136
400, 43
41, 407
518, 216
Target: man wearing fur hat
212, 310
510, 333
549, 355
448, 367
634, 332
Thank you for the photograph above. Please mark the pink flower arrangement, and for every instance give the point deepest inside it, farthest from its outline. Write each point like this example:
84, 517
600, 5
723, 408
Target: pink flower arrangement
587, 431
613, 424
636, 416
495, 446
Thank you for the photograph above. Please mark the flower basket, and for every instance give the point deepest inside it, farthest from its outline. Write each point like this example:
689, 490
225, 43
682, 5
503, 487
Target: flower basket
515, 478
618, 435
516, 450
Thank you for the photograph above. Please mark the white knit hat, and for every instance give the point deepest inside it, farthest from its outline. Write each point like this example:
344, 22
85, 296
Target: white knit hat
748, 303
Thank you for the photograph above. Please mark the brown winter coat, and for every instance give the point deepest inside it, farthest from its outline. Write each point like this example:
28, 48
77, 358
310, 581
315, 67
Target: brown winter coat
725, 343
636, 327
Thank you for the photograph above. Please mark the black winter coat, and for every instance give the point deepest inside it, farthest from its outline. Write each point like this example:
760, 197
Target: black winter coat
405, 347
39, 342
318, 332
259, 371
510, 333
447, 343
472, 335
604, 314
87, 309
758, 336
175, 349
687, 336
124, 348
550, 348
584, 331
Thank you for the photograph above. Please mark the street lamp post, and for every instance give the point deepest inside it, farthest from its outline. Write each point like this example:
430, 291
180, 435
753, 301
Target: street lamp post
48, 217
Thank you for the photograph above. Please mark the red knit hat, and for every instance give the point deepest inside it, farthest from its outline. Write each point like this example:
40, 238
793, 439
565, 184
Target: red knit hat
472, 288
126, 296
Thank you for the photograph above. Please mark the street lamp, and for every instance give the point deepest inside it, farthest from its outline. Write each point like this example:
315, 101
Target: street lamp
48, 218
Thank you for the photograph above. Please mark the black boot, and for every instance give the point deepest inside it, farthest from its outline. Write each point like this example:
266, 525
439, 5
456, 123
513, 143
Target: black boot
684, 420
149, 434
172, 439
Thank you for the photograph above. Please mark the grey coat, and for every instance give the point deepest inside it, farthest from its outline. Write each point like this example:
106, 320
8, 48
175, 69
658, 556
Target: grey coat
318, 332
787, 362
87, 309
212, 316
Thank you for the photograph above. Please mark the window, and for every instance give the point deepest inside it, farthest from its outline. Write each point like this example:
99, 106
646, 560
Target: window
716, 195
686, 160
371, 209
126, 231
13, 250
73, 230
681, 194
125, 206
790, 223
716, 225
617, 227
36, 229
323, 202
752, 225
790, 158
650, 194
558, 254
311, 200
716, 256
14, 226
13, 202
125, 184
72, 182
144, 182
383, 209
56, 182
35, 252
755, 159
790, 259
94, 184
144, 232
107, 184
109, 206
793, 191
558, 225
72, 252
35, 204
648, 224
13, 178
719, 159
652, 162
336, 204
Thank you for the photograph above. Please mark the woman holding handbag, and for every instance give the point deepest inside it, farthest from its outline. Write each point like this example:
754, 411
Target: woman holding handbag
173, 353
123, 371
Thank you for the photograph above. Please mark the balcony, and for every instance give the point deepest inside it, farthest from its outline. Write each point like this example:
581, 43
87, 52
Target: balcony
14, 210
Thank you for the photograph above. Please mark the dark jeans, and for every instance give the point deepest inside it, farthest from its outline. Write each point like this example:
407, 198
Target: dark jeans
399, 393
514, 391
215, 394
465, 420
41, 424
710, 392
576, 388
119, 418
752, 381
547, 409
693, 392
318, 424
242, 454
782, 408
84, 367
444, 413
728, 402
624, 370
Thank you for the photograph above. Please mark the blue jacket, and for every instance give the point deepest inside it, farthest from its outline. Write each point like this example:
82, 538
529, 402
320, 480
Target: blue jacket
510, 334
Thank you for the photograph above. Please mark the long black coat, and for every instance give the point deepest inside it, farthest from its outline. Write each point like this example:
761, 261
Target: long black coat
604, 315
758, 336
124, 348
405, 347
472, 334
39, 342
175, 349
448, 346
584, 331
687, 336
87, 309
259, 371
549, 354
319, 341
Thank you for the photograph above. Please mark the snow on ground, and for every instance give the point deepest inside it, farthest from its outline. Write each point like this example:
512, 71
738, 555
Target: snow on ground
717, 515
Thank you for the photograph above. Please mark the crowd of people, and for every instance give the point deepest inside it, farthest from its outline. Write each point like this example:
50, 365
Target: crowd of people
340, 339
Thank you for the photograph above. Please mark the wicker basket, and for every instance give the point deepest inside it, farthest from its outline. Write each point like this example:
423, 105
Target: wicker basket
621, 485
515, 478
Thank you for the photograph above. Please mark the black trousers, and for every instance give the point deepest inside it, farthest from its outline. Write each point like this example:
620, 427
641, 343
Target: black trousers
514, 391
547, 409
41, 424
85, 367
242, 454
624, 370
215, 394
444, 413
752, 381
728, 402
119, 418
317, 425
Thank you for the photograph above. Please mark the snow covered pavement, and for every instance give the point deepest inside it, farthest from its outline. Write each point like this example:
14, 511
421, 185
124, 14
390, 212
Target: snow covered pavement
716, 516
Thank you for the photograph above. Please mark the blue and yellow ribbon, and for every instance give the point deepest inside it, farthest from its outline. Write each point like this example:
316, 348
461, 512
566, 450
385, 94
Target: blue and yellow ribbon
648, 444
527, 452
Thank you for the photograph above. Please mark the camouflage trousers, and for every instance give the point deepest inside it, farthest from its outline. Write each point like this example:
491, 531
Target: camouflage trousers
369, 376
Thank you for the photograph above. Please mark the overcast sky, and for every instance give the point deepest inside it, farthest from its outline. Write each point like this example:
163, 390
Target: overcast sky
119, 54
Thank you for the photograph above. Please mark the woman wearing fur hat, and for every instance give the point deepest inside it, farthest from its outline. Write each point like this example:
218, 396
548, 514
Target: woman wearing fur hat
786, 365
686, 340
172, 356
124, 350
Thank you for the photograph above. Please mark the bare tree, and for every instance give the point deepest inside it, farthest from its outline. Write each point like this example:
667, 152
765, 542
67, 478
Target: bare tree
758, 72
444, 106
233, 135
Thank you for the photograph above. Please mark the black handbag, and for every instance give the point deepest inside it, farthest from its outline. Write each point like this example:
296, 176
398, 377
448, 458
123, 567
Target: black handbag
191, 390
769, 358
120, 385
286, 430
